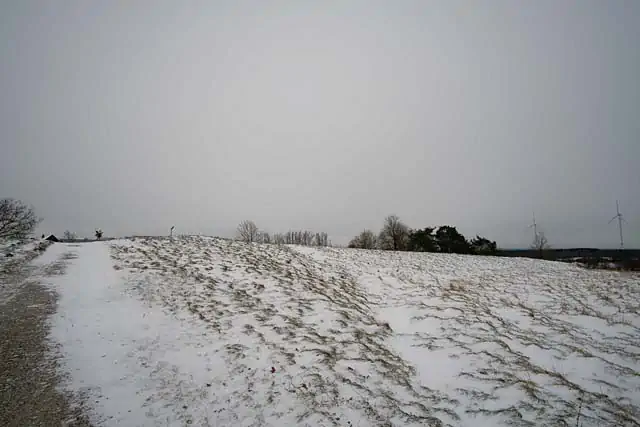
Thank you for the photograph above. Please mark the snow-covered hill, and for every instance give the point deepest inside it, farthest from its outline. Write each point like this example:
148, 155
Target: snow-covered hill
204, 331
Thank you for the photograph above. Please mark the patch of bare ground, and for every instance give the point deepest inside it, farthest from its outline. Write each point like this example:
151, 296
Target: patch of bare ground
29, 378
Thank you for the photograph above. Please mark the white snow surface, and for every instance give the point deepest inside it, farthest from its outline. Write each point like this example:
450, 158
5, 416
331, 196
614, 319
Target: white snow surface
17, 265
212, 332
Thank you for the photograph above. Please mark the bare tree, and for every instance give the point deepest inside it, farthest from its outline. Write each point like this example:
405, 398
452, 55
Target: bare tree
98, 233
68, 235
365, 240
17, 220
394, 234
306, 238
247, 231
264, 237
321, 239
279, 239
540, 243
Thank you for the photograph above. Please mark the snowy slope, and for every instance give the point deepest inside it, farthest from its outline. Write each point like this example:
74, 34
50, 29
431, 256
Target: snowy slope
203, 331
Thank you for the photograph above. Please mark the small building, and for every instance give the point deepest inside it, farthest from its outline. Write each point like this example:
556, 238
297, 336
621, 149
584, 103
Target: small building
52, 238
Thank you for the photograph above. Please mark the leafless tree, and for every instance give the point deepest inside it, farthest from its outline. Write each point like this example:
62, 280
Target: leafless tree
98, 233
321, 239
540, 243
296, 237
365, 240
394, 234
306, 238
279, 239
368, 240
263, 237
290, 237
293, 237
17, 220
68, 235
247, 231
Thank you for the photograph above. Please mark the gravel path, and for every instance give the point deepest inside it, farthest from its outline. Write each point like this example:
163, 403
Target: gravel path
28, 375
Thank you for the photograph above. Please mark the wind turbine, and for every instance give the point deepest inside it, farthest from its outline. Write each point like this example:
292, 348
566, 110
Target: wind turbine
620, 219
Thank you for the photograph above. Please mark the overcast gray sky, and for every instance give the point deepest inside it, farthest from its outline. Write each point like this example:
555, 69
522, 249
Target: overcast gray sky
135, 116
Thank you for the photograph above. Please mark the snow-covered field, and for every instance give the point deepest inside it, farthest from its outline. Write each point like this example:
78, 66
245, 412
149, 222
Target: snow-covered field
211, 332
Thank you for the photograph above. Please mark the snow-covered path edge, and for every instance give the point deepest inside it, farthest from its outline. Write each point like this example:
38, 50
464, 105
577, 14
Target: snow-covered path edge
133, 363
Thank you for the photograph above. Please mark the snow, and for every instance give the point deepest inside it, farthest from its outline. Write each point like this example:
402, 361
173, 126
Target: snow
16, 266
204, 331
137, 363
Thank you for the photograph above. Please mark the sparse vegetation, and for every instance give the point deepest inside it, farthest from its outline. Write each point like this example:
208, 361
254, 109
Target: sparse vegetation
264, 237
68, 235
17, 220
248, 232
540, 243
477, 312
365, 240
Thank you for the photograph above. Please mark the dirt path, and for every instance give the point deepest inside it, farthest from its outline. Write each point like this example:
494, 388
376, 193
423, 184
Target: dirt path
28, 375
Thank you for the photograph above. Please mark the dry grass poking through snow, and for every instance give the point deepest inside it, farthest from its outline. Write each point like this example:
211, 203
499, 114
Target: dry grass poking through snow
382, 338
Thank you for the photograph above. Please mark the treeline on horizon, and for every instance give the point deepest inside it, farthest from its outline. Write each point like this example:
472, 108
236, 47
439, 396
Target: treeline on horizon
397, 236
394, 236
249, 232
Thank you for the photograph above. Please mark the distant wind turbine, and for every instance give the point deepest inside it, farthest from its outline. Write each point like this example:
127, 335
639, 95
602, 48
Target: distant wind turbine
620, 219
